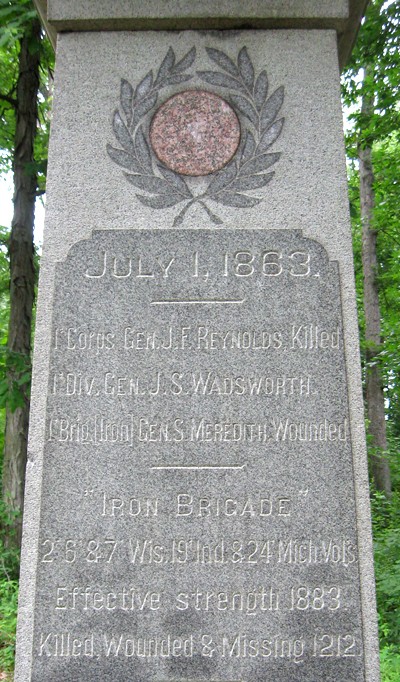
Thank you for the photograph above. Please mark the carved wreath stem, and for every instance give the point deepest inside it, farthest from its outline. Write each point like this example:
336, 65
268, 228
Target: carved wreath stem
199, 199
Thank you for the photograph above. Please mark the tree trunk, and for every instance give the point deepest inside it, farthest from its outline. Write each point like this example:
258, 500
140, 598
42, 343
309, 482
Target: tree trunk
22, 275
374, 389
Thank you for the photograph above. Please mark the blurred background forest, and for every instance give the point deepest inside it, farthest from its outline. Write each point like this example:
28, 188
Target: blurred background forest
371, 98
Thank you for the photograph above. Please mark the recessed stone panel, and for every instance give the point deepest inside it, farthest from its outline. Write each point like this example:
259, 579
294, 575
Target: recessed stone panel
194, 524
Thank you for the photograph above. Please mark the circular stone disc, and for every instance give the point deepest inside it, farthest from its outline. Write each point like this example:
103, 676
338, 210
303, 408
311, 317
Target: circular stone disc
195, 132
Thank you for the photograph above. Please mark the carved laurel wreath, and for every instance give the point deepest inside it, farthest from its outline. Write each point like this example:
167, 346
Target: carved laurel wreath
247, 171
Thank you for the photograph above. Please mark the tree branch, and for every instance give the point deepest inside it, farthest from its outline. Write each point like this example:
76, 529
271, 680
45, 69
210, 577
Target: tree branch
10, 100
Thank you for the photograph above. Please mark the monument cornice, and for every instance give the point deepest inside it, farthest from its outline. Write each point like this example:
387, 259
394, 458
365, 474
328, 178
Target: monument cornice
343, 16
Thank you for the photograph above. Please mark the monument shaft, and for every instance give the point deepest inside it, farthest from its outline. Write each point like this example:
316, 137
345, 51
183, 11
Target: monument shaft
197, 493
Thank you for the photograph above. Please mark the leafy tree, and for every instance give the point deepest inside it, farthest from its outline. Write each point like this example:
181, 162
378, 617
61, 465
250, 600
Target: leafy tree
372, 90
372, 83
25, 60
22, 52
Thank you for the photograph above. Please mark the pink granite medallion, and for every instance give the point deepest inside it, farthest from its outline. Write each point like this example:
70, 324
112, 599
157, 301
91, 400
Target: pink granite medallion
195, 132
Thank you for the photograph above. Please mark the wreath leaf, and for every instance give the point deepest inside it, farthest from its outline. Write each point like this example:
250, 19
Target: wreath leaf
271, 108
246, 108
122, 133
261, 90
221, 80
270, 135
186, 61
259, 163
143, 108
166, 66
123, 159
223, 61
222, 179
236, 200
126, 98
246, 69
177, 181
251, 182
144, 86
142, 150
249, 148
160, 201
149, 183
178, 78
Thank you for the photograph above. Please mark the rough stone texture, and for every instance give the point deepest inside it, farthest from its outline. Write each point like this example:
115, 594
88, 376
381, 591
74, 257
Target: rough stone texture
195, 132
342, 15
133, 316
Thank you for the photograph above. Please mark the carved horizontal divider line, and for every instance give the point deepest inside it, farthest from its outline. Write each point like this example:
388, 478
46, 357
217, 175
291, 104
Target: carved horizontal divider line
191, 301
198, 468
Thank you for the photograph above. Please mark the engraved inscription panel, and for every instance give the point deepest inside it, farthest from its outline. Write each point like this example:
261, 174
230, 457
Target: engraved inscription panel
198, 517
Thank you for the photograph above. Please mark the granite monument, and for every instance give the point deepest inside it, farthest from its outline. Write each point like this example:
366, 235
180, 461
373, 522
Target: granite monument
197, 491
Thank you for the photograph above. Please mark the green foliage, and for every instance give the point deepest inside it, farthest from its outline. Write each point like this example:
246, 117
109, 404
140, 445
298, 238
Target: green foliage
390, 665
13, 17
14, 390
8, 623
4, 312
386, 529
386, 161
9, 558
374, 73
9, 568
15, 378
16, 18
